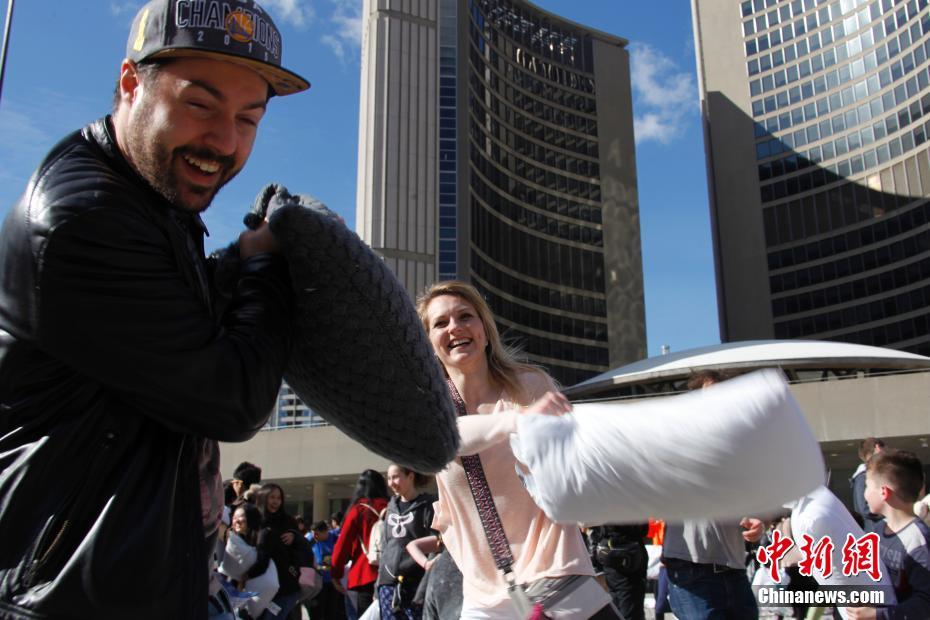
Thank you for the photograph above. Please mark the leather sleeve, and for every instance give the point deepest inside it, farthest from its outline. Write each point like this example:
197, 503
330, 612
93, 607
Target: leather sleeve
113, 304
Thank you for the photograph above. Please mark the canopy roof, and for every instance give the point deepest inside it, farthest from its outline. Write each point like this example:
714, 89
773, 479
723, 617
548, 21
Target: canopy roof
789, 355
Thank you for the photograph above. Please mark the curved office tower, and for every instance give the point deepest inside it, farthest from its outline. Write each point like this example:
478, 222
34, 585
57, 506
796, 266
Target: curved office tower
818, 167
496, 146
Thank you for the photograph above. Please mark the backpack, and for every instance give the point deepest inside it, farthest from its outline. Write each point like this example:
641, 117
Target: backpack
372, 550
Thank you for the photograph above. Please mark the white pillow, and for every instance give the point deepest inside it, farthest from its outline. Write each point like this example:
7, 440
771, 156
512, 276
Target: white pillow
738, 448
265, 587
239, 557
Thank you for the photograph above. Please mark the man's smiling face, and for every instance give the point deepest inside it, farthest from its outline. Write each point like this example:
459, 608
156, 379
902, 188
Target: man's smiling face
190, 127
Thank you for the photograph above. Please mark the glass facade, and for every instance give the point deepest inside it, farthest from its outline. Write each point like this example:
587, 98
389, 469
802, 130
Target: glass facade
290, 411
838, 92
448, 152
537, 243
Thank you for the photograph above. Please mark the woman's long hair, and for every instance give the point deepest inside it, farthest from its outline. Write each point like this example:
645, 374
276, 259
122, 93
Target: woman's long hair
503, 362
370, 485
278, 519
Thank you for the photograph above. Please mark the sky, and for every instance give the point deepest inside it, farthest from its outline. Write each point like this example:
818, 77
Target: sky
64, 57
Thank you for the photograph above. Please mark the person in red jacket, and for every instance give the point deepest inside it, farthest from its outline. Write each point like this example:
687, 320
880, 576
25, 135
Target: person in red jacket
369, 499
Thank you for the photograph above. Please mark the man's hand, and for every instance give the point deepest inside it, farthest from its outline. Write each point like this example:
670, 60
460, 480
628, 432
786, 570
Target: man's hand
337, 585
258, 241
753, 527
860, 613
287, 538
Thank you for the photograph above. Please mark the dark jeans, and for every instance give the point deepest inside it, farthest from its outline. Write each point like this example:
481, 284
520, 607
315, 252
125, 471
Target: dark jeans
709, 592
628, 592
327, 605
366, 595
662, 605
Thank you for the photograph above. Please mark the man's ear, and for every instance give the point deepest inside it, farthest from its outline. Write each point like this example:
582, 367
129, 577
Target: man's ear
886, 492
129, 81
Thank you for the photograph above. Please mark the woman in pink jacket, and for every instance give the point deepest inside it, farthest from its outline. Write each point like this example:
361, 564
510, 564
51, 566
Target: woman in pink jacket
494, 390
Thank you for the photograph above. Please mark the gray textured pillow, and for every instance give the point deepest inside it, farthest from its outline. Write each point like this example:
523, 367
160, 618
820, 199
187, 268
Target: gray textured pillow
360, 357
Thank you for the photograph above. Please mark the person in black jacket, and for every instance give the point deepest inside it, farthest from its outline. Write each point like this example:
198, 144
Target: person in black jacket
408, 517
277, 540
121, 365
620, 552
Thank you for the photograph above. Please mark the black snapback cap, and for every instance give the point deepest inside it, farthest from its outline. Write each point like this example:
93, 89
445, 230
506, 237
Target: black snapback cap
237, 31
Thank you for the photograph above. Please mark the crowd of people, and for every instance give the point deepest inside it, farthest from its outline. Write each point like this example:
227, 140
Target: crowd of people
441, 557
123, 364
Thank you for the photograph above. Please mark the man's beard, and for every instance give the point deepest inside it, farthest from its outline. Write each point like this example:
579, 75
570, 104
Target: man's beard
156, 165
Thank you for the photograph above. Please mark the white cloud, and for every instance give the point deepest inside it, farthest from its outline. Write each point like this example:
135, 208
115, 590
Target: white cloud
31, 122
19, 128
345, 37
23, 143
119, 8
663, 95
294, 12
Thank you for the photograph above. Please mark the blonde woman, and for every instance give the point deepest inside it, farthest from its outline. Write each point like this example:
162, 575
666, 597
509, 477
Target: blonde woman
495, 390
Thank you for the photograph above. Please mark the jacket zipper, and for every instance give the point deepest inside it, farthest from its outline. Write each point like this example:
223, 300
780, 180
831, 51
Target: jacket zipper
44, 555
38, 563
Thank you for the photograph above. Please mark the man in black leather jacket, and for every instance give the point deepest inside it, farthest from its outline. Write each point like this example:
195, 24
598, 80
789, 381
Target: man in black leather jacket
121, 365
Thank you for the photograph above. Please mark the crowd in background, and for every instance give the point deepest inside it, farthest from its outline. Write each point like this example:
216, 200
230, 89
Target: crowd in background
384, 553
400, 552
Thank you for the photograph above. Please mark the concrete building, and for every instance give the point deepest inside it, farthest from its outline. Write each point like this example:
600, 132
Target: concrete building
818, 167
317, 466
496, 147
